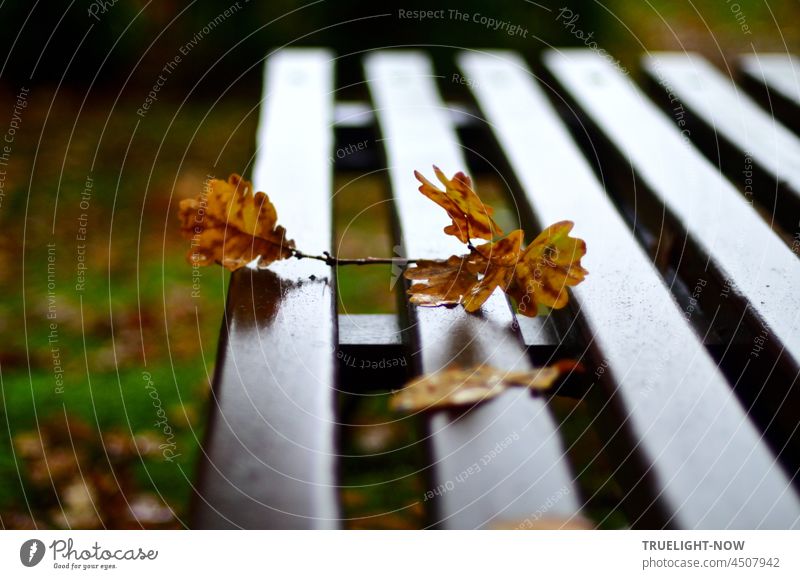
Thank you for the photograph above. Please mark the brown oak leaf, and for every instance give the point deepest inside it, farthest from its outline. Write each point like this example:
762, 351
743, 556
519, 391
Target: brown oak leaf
445, 283
545, 523
537, 275
467, 386
466, 279
232, 225
549, 265
472, 219
500, 257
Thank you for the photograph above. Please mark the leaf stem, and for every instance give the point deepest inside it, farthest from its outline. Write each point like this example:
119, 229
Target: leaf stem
333, 260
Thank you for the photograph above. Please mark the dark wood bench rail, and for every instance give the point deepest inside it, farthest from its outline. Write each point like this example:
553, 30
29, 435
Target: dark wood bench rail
685, 450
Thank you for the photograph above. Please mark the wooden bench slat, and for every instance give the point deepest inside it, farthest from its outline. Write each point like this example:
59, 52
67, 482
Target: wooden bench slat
531, 469
758, 265
729, 111
369, 330
384, 330
780, 72
270, 452
710, 465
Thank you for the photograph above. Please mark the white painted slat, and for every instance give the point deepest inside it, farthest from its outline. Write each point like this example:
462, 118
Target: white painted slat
759, 266
730, 112
270, 454
780, 72
710, 465
294, 137
531, 470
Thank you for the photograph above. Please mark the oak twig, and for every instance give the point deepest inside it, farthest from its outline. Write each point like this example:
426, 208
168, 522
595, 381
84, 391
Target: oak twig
333, 260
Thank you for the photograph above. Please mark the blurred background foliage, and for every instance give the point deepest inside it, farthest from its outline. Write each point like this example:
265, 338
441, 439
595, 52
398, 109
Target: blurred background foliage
128, 43
90, 455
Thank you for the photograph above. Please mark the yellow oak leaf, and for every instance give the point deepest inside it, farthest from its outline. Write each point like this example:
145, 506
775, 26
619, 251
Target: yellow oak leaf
232, 225
472, 219
468, 386
550, 264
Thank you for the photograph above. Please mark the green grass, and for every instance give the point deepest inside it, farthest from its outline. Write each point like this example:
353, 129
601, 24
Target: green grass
362, 226
135, 314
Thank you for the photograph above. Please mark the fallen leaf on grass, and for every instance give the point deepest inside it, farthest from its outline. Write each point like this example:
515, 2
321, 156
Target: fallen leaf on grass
78, 479
232, 225
466, 386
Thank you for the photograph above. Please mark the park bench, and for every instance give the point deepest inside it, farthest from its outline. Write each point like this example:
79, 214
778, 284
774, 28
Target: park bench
688, 325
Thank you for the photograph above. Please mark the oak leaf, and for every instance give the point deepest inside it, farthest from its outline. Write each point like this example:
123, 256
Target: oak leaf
466, 279
544, 523
472, 219
500, 257
538, 275
232, 225
467, 386
550, 264
445, 283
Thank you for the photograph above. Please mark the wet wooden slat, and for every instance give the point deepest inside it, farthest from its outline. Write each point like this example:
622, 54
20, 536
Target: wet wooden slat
730, 112
270, 453
530, 470
780, 72
774, 81
760, 268
369, 330
709, 464
384, 330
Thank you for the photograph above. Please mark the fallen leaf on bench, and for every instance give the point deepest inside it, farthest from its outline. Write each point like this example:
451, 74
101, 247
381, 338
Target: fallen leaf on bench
539, 274
232, 225
472, 218
468, 386
446, 282
574, 523
500, 258
466, 279
550, 264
